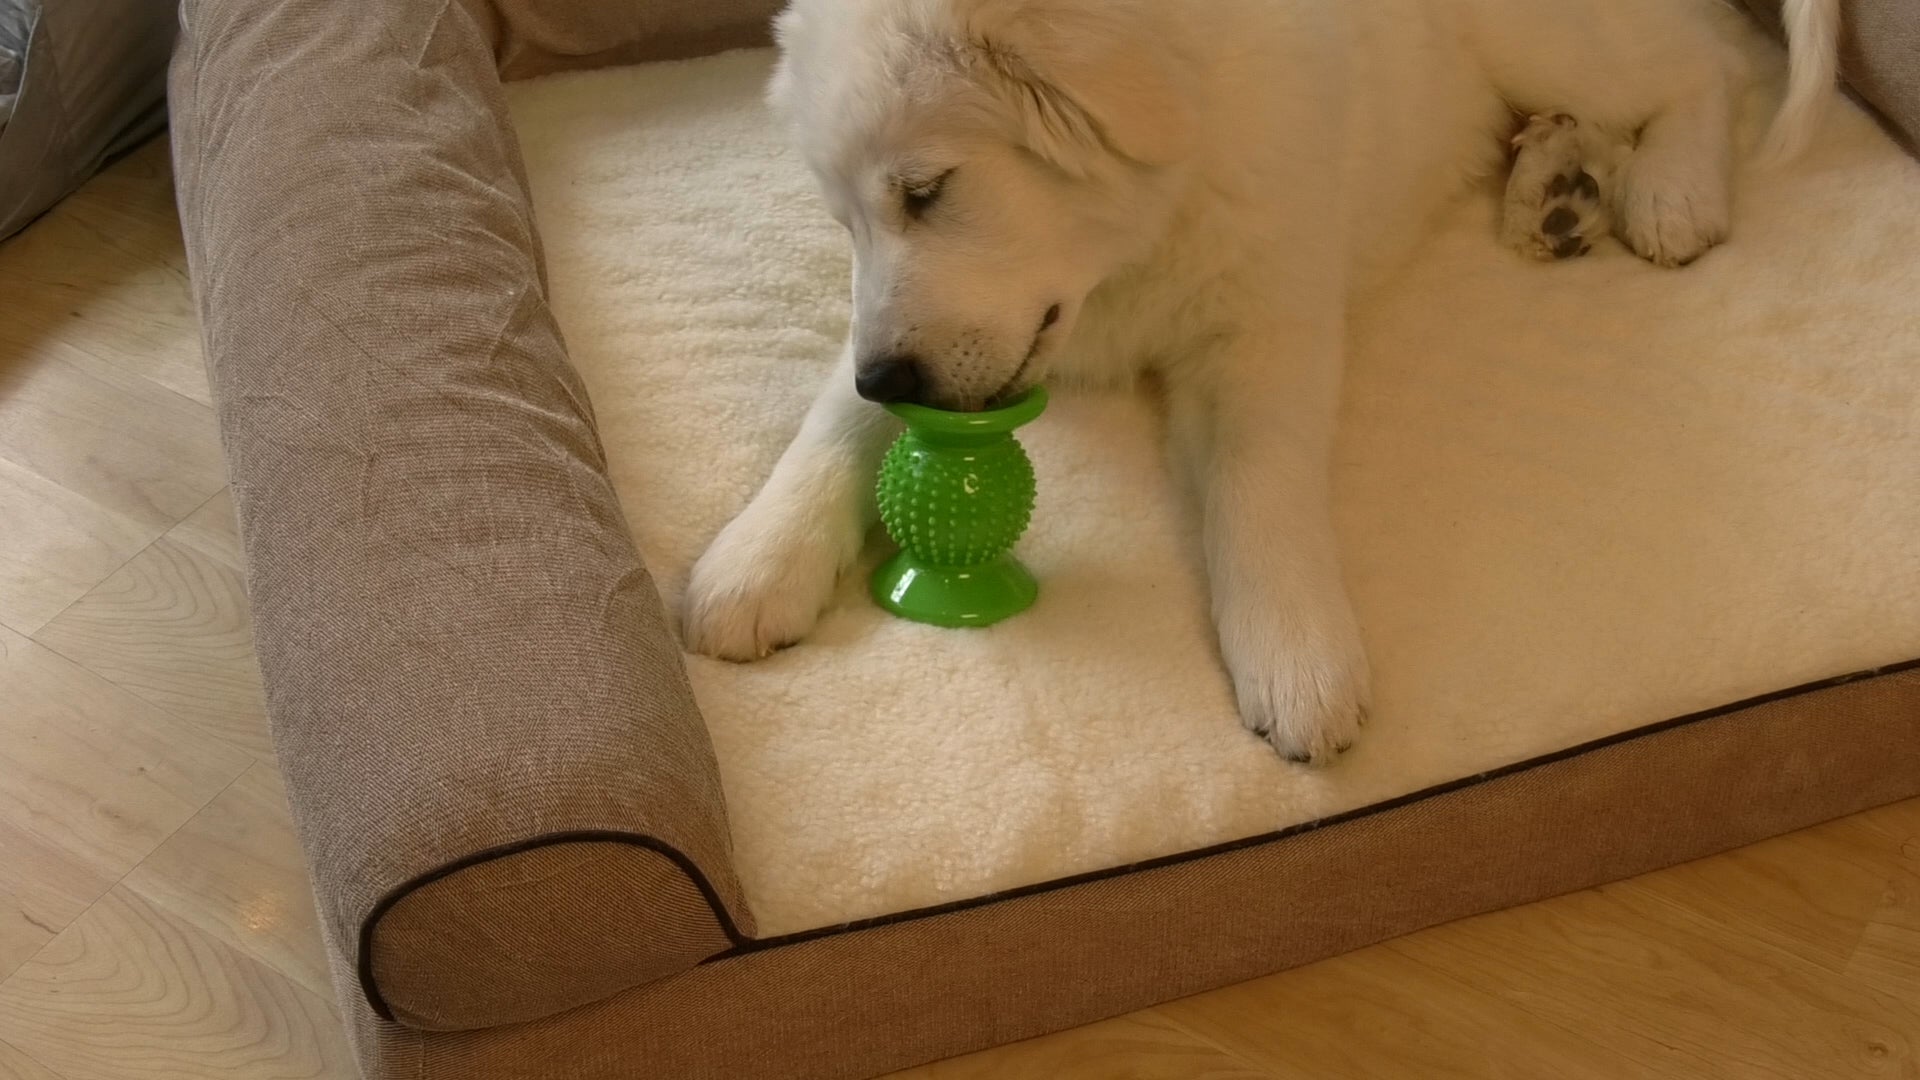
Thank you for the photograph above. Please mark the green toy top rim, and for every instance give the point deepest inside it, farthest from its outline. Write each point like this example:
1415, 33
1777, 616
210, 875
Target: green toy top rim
1021, 410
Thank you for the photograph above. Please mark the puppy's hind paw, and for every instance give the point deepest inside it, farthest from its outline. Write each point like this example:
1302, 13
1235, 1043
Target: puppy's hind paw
1671, 220
1553, 207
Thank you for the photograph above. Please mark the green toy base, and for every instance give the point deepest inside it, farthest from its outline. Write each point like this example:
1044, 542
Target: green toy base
949, 596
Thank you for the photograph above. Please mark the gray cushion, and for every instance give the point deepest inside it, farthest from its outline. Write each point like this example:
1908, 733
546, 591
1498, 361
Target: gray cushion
80, 81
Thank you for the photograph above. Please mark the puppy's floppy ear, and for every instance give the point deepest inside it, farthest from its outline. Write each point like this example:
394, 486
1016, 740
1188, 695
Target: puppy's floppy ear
1089, 75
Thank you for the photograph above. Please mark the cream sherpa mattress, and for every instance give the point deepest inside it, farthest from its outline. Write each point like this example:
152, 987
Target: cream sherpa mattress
1575, 500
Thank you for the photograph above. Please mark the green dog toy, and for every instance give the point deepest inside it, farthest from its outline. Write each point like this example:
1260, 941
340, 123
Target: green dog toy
956, 491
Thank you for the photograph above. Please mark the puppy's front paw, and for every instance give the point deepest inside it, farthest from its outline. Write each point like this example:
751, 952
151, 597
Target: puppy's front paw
762, 585
1305, 692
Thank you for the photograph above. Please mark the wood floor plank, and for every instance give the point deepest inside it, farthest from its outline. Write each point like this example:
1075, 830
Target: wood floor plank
1887, 955
1810, 893
236, 871
129, 992
1680, 995
1143, 1046
54, 546
42, 889
1901, 819
1371, 1014
212, 530
92, 780
106, 272
16, 1065
171, 627
115, 438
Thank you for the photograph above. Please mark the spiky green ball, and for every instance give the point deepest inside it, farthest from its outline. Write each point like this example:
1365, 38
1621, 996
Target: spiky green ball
955, 506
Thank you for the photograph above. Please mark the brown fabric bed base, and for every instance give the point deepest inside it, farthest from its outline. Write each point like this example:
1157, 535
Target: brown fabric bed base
865, 999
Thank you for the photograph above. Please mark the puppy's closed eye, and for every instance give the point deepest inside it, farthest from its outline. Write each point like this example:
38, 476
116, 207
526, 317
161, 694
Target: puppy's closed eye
918, 198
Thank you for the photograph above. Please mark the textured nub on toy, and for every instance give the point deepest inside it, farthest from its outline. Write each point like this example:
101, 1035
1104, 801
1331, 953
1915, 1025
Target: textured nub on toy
956, 491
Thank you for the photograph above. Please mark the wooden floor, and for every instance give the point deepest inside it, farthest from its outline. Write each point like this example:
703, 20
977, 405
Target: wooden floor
155, 918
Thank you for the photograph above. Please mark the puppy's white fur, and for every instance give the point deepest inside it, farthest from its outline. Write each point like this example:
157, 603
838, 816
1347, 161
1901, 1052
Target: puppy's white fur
1083, 191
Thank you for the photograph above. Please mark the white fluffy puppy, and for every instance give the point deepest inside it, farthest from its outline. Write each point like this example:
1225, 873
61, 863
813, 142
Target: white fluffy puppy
1084, 191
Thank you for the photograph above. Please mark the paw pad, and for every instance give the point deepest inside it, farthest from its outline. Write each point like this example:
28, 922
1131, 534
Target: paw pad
1553, 205
1573, 202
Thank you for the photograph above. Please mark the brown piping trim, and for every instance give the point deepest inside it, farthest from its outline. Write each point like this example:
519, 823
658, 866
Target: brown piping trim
363, 962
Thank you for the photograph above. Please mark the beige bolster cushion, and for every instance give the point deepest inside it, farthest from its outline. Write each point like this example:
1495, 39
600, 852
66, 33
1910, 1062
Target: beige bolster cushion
508, 799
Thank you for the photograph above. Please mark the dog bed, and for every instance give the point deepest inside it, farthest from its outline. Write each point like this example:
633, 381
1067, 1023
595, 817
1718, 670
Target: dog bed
1574, 500
1630, 547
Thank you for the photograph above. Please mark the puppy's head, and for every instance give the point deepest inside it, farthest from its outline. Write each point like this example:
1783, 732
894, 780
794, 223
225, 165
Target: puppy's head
993, 162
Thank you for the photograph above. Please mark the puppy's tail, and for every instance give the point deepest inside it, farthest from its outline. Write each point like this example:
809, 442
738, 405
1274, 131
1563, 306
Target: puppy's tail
1813, 62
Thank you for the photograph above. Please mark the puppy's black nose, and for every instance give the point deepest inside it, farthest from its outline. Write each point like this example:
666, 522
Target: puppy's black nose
895, 377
